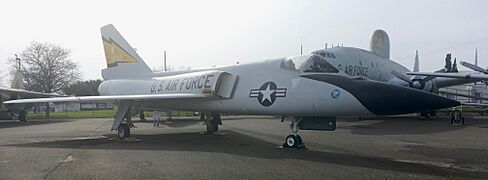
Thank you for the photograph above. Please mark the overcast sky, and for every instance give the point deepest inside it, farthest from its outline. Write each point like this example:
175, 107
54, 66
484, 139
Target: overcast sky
204, 33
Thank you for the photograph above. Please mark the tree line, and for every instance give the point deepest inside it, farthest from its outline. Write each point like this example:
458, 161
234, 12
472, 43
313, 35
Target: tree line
48, 68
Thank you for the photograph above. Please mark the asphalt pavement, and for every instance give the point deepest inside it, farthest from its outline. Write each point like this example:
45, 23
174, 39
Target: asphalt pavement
246, 147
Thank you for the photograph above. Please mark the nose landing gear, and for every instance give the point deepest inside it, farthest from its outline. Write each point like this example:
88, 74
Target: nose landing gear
294, 140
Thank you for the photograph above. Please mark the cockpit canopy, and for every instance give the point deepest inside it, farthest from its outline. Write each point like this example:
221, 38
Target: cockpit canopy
308, 64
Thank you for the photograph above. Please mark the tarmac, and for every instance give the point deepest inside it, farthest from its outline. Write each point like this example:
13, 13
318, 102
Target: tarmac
246, 147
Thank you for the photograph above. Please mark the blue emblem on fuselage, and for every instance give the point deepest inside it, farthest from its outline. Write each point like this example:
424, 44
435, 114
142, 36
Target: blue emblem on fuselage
335, 93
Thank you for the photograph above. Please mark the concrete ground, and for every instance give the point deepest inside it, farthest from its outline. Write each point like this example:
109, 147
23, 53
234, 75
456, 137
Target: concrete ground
246, 148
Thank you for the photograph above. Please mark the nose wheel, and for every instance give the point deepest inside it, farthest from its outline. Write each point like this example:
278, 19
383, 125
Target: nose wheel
294, 140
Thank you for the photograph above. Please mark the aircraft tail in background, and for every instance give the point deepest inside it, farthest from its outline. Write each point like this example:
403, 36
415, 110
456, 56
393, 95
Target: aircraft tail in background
17, 81
416, 66
380, 44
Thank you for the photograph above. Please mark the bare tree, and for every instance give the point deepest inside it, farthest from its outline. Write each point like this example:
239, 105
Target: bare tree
46, 68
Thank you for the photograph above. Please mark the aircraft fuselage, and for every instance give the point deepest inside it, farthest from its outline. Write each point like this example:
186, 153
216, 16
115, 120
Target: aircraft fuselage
269, 88
299, 96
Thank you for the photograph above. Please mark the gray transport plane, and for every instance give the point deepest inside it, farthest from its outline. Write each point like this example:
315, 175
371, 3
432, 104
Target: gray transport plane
309, 90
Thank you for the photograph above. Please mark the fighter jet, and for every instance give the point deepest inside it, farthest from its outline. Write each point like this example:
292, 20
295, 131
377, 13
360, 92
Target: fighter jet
16, 91
310, 90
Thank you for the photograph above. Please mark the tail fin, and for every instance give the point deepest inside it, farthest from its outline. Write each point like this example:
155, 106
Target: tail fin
416, 66
17, 81
380, 44
122, 60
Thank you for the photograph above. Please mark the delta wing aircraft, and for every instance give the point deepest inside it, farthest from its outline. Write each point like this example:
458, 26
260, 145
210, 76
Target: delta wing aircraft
16, 91
310, 90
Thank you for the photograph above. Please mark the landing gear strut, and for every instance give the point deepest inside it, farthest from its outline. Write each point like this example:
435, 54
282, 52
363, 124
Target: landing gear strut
123, 112
294, 140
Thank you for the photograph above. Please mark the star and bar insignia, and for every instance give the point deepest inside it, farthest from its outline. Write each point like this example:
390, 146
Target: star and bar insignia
267, 93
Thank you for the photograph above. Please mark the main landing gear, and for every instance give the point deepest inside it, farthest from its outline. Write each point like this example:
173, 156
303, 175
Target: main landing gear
457, 117
123, 112
123, 130
23, 116
294, 140
213, 121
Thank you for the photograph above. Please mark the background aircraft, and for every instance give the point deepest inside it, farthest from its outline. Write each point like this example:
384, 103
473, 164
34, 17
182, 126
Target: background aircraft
376, 65
311, 90
16, 91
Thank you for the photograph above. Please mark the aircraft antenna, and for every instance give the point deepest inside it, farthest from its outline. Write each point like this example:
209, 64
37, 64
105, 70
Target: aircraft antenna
476, 56
325, 45
165, 60
301, 46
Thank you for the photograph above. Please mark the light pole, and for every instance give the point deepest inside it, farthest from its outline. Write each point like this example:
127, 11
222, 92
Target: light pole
18, 61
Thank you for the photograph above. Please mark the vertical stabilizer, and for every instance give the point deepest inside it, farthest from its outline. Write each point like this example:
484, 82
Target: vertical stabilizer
17, 81
416, 67
122, 60
380, 44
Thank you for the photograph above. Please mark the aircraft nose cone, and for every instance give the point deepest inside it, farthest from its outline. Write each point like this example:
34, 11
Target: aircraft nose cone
386, 99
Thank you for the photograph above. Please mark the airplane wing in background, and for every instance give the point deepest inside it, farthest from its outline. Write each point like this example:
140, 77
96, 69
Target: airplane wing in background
484, 105
14, 93
460, 75
10, 93
478, 74
463, 95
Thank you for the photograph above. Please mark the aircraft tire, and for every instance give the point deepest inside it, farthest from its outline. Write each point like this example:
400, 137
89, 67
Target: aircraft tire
123, 131
212, 126
457, 117
291, 141
23, 116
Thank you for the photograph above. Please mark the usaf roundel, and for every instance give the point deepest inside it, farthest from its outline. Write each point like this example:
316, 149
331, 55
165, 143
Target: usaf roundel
267, 93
